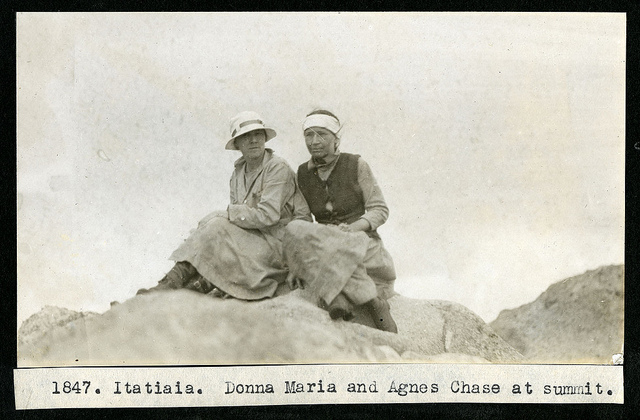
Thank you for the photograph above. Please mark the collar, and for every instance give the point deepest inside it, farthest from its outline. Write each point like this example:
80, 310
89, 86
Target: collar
328, 163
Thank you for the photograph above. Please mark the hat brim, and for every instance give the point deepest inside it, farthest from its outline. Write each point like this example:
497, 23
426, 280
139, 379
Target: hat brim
270, 132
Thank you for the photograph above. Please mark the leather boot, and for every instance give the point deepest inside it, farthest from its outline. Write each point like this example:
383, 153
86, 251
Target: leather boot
379, 310
340, 307
219, 293
199, 284
176, 278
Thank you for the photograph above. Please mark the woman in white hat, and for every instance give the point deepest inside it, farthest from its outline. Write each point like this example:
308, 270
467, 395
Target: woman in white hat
341, 258
239, 252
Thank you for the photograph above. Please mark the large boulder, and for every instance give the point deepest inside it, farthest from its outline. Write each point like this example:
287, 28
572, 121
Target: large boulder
576, 320
182, 327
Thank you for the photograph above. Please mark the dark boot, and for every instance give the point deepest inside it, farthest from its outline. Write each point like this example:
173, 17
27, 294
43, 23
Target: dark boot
176, 278
199, 284
219, 293
379, 310
340, 307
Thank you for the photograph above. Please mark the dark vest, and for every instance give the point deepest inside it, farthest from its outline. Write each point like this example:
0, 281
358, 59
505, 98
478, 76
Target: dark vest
341, 188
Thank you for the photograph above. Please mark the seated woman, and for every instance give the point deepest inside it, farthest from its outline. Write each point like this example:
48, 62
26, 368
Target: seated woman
239, 252
341, 259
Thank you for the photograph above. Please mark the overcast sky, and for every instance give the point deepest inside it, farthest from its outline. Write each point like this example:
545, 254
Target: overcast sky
498, 141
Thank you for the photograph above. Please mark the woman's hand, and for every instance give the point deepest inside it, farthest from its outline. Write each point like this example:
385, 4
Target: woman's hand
360, 225
345, 227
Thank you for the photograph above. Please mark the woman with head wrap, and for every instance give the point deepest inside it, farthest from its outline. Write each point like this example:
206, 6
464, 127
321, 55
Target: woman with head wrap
238, 252
341, 258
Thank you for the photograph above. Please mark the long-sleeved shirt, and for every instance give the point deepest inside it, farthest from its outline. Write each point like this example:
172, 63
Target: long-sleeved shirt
265, 197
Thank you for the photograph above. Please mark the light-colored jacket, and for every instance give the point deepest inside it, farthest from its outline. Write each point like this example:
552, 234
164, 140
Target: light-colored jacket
269, 199
242, 254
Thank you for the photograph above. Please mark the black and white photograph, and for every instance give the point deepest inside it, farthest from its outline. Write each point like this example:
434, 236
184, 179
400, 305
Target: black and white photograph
278, 189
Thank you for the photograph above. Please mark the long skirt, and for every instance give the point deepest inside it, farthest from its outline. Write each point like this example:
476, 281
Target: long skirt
245, 263
331, 261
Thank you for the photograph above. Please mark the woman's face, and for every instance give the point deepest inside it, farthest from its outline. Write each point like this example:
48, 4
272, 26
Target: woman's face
251, 144
320, 142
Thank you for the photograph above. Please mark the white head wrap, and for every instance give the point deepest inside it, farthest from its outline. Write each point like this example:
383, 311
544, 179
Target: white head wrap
322, 120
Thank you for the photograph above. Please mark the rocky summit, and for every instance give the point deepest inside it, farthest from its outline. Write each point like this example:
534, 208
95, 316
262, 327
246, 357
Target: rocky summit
576, 320
183, 327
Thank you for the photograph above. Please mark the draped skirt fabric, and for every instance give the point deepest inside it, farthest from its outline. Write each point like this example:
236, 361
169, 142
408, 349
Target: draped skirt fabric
331, 261
245, 263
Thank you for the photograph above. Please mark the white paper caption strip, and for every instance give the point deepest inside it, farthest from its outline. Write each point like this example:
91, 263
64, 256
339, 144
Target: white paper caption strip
315, 384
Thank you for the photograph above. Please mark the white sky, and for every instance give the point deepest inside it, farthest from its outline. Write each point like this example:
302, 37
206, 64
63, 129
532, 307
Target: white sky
497, 138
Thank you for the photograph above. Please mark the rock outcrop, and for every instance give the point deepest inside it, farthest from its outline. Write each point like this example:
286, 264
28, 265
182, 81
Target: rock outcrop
182, 327
50, 317
577, 320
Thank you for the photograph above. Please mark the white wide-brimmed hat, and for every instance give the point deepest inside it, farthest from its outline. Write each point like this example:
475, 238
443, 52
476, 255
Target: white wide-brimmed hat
245, 122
